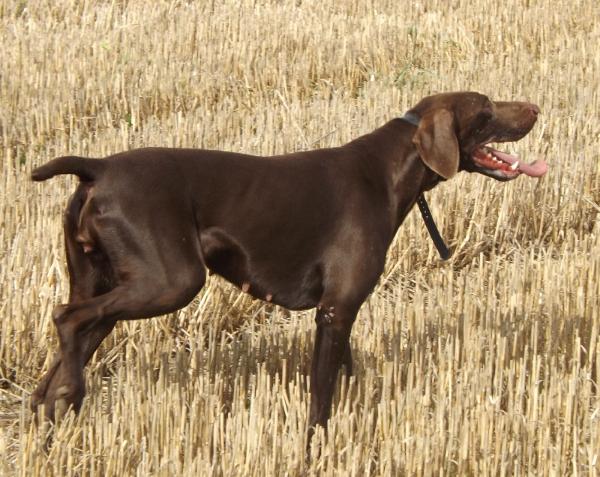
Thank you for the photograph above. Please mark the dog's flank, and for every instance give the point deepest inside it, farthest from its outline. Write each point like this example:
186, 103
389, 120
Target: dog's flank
303, 230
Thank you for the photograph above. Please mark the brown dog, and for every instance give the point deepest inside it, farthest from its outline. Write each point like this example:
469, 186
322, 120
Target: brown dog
303, 230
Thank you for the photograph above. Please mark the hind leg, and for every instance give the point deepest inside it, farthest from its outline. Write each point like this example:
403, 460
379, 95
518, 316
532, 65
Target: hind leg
82, 326
90, 275
154, 266
54, 381
156, 272
142, 298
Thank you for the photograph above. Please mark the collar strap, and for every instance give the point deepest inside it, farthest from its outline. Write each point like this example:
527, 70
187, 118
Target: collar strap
434, 233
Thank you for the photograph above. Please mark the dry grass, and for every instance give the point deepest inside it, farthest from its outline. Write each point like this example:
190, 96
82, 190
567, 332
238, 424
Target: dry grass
486, 365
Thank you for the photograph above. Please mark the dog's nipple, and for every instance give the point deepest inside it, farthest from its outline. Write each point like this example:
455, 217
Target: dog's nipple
246, 287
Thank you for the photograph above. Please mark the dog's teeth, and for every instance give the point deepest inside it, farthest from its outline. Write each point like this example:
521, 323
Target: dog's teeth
514, 166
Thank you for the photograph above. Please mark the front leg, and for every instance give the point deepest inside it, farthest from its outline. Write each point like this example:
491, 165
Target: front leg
332, 349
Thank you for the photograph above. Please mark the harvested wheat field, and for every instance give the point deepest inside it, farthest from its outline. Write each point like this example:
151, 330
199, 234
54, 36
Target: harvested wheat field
487, 364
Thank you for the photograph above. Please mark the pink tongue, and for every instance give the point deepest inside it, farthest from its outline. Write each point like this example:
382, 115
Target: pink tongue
535, 169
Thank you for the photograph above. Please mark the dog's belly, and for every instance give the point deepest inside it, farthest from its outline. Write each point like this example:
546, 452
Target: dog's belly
296, 286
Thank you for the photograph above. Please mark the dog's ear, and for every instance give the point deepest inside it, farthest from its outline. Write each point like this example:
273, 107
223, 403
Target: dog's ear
437, 143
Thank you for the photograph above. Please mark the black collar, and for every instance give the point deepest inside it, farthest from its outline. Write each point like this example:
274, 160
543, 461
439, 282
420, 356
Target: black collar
434, 233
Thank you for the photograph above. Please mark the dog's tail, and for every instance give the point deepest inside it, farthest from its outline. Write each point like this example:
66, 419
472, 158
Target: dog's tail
86, 169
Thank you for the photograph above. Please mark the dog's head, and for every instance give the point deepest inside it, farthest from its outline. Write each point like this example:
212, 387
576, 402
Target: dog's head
455, 128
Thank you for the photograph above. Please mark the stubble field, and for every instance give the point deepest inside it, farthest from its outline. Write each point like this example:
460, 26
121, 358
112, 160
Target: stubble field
484, 365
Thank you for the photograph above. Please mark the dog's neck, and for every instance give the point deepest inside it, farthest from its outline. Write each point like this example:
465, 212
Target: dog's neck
405, 175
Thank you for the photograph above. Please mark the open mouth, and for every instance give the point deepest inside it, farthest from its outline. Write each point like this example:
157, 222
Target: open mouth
503, 166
